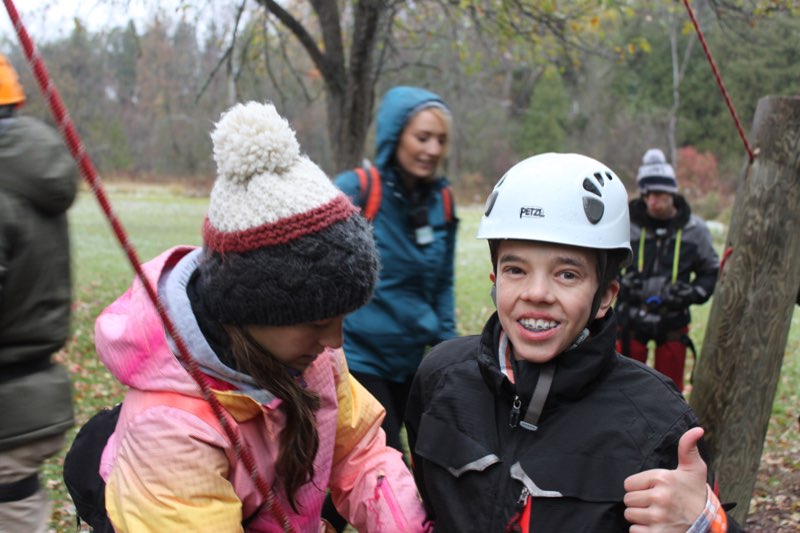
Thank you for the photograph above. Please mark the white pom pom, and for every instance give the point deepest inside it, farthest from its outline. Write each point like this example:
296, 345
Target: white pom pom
252, 139
654, 156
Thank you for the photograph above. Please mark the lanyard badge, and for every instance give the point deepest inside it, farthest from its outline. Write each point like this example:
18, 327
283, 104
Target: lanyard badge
423, 232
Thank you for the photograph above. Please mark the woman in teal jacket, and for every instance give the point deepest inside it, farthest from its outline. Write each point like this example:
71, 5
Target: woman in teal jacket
412, 308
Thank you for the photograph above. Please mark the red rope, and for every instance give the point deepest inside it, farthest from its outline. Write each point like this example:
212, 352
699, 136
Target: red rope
720, 83
89, 172
725, 255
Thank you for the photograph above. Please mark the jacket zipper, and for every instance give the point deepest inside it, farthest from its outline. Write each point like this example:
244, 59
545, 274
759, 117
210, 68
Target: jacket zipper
386, 491
515, 525
513, 418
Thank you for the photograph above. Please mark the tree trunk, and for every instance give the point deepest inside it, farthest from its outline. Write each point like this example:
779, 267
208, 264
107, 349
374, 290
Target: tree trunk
743, 349
349, 84
349, 117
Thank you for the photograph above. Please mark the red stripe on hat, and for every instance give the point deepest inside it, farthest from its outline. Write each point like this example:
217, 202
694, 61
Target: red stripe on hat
280, 231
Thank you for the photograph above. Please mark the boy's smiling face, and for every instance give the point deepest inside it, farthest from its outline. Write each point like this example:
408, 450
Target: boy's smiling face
544, 296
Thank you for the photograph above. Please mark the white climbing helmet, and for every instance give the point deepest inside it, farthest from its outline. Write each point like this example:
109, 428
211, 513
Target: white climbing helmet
559, 198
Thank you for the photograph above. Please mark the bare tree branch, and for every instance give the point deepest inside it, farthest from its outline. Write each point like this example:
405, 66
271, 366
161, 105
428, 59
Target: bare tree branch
226, 56
207, 82
292, 70
268, 61
299, 31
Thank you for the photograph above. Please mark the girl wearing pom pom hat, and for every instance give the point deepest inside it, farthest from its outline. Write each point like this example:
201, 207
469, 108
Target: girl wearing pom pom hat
260, 306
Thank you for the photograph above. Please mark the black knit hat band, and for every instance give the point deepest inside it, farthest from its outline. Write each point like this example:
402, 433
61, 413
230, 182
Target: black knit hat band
316, 277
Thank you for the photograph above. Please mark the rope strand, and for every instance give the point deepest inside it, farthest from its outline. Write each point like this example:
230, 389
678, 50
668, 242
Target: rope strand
718, 77
89, 172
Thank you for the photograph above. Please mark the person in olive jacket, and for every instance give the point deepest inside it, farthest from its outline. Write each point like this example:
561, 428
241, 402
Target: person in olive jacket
38, 183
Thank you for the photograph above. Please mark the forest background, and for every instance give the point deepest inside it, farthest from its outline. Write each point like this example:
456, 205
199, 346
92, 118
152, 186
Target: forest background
605, 78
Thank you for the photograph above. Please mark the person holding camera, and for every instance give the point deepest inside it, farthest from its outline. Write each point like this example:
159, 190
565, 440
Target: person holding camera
674, 267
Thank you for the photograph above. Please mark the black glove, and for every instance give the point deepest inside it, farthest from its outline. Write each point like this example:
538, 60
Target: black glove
631, 288
680, 295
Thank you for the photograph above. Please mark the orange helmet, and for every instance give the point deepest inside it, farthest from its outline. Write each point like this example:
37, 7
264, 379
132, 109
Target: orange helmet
10, 89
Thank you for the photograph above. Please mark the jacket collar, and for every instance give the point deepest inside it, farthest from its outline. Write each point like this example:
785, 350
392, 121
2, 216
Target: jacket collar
639, 216
172, 288
577, 370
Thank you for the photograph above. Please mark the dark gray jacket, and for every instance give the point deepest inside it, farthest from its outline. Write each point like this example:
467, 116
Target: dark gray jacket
698, 262
37, 185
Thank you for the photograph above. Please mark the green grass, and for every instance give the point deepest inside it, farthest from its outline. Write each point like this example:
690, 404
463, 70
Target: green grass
159, 217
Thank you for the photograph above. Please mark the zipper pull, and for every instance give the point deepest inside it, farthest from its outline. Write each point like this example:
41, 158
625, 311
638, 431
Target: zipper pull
514, 416
523, 497
514, 525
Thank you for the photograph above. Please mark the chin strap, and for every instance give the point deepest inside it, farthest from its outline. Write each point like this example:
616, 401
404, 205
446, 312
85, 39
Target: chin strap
544, 383
540, 394
546, 374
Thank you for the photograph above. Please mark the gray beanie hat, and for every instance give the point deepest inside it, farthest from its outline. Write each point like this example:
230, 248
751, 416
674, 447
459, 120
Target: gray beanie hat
656, 174
283, 245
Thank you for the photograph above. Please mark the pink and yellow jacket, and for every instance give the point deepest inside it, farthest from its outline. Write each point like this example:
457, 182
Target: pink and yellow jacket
170, 467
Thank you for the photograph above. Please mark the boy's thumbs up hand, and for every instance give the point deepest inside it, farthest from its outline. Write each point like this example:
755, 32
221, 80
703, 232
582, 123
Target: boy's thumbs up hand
689, 459
663, 500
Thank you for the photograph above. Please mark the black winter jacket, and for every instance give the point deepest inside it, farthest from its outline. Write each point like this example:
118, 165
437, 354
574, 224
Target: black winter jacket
606, 417
698, 264
38, 183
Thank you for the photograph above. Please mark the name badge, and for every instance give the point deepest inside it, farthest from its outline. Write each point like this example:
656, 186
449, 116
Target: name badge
424, 235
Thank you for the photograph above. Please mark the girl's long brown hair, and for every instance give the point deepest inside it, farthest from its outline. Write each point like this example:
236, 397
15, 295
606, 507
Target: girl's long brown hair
299, 440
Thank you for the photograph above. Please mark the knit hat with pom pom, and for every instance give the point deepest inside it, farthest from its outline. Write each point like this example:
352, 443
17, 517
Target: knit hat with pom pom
282, 245
656, 174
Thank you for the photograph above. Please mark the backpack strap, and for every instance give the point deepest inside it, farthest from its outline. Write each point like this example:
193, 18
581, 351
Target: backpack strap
447, 203
369, 182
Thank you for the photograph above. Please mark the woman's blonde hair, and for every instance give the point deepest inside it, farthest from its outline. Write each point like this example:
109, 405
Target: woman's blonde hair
446, 119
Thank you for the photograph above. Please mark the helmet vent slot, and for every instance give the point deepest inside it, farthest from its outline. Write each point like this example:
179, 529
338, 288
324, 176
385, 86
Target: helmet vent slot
490, 203
599, 177
610, 176
591, 187
593, 208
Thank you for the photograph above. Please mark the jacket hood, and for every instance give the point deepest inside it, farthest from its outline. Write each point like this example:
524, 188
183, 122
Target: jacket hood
35, 165
130, 340
639, 216
132, 344
398, 104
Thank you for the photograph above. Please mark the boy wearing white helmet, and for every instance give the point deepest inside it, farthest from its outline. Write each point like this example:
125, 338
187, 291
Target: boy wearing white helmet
539, 410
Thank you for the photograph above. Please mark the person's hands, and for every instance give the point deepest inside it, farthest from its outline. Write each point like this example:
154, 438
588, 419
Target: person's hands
631, 287
662, 501
680, 295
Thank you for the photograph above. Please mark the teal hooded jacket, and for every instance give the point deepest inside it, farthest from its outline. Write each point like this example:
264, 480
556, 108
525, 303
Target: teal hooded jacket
413, 304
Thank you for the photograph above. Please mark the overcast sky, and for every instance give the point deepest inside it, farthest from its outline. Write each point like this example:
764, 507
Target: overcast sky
51, 19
